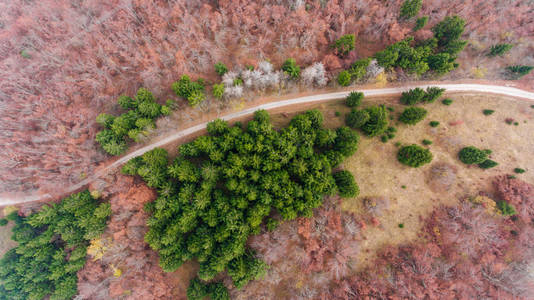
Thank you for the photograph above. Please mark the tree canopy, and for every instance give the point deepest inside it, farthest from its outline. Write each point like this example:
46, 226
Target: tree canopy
223, 186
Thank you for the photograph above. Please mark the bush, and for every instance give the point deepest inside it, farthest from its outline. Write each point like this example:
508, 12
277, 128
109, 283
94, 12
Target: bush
448, 33
127, 102
343, 78
410, 8
472, 155
3, 222
105, 120
412, 115
291, 68
358, 69
51, 248
441, 63
427, 142
354, 99
193, 91
220, 68
432, 93
357, 118
414, 156
447, 101
499, 49
519, 170
488, 112
346, 185
420, 23
378, 121
506, 209
218, 90
345, 44
516, 72
488, 164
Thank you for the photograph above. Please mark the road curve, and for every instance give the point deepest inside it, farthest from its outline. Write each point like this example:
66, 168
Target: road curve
480, 88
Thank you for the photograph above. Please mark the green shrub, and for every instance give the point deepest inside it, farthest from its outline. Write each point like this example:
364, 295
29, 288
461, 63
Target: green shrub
378, 121
412, 96
488, 164
238, 81
51, 248
420, 23
193, 91
291, 68
447, 101
105, 120
3, 222
223, 186
410, 8
488, 112
354, 99
220, 68
337, 113
401, 225
516, 72
472, 155
414, 156
427, 142
519, 170
500, 49
442, 63
434, 123
506, 209
432, 93
448, 33
218, 90
343, 78
357, 118
345, 44
346, 185
358, 69
413, 115
384, 138
272, 224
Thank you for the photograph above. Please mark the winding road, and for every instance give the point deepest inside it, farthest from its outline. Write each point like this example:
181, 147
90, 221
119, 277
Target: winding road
479, 88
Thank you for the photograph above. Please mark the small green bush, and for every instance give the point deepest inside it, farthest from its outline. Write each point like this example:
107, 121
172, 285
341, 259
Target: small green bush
410, 8
220, 68
420, 23
414, 156
434, 123
412, 115
488, 164
519, 170
272, 224
378, 121
516, 72
337, 113
506, 209
345, 44
291, 68
488, 112
384, 138
401, 225
412, 96
358, 69
499, 49
357, 118
472, 155
3, 222
218, 90
447, 101
432, 93
346, 185
427, 142
193, 91
354, 99
344, 78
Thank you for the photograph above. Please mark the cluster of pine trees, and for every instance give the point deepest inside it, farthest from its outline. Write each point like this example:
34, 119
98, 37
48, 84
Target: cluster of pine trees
224, 185
142, 110
52, 247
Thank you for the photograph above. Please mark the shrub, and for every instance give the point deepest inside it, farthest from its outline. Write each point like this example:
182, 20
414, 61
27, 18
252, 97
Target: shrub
506, 209
499, 49
410, 8
448, 33
378, 121
427, 142
441, 63
345, 44
432, 93
434, 123
3, 222
412, 96
105, 120
488, 112
420, 23
357, 118
354, 99
358, 69
346, 185
447, 101
291, 68
516, 72
412, 115
51, 248
519, 170
488, 164
414, 156
343, 78
218, 90
472, 155
193, 91
127, 102
220, 68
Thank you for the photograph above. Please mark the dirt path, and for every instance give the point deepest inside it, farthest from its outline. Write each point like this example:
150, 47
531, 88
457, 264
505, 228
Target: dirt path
481, 88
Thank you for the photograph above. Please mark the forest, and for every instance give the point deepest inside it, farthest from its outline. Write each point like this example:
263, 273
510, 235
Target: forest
223, 186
